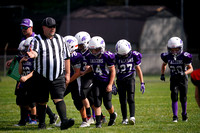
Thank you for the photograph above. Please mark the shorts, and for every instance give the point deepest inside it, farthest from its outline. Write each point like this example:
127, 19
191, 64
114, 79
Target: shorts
42, 87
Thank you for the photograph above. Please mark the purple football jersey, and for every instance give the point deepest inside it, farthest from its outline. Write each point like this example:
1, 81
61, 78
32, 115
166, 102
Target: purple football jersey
100, 65
27, 66
177, 65
126, 66
75, 61
84, 62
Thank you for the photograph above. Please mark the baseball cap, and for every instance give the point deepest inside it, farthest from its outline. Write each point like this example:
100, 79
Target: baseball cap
49, 22
27, 22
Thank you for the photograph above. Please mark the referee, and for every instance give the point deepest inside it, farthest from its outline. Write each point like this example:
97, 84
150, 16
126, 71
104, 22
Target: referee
51, 58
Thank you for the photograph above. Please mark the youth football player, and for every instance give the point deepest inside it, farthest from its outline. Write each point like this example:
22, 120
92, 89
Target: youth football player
180, 66
127, 62
101, 62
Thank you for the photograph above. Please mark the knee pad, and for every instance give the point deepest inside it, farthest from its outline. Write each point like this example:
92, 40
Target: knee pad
183, 99
108, 105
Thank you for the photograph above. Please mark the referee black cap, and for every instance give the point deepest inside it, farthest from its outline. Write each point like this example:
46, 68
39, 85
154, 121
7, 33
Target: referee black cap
49, 22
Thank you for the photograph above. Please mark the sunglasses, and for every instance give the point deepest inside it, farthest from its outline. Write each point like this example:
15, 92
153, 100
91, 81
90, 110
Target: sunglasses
24, 27
51, 26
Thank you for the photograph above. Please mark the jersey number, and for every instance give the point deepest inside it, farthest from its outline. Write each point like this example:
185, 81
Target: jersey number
123, 67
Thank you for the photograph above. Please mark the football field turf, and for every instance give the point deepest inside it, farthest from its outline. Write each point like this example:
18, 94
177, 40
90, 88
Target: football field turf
153, 111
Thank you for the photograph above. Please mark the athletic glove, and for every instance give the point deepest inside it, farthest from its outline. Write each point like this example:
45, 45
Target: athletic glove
162, 77
142, 88
114, 89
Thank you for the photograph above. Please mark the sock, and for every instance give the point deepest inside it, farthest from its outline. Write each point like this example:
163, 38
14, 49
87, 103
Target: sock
41, 114
175, 108
93, 113
98, 119
88, 112
84, 119
61, 109
33, 117
49, 112
23, 115
184, 108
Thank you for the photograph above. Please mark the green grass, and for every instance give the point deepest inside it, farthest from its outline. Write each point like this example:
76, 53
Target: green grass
153, 111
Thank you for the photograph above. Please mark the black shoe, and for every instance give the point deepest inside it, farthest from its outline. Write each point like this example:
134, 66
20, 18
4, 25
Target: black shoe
175, 118
98, 125
20, 123
184, 117
42, 126
67, 124
112, 119
54, 119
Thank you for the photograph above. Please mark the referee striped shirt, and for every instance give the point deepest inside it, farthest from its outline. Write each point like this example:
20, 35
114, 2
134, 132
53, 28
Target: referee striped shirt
51, 55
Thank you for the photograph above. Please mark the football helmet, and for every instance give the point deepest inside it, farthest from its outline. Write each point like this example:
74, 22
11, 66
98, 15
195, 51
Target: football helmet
83, 39
71, 43
123, 47
173, 43
97, 44
21, 46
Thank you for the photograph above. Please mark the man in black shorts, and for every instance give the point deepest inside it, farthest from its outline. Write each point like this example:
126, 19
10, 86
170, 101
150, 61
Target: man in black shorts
51, 58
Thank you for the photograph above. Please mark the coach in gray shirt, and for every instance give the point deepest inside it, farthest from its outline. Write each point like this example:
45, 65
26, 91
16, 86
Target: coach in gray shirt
51, 59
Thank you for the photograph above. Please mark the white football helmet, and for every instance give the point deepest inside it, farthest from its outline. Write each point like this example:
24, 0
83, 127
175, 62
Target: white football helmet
97, 42
83, 38
28, 41
123, 47
21, 46
175, 42
71, 43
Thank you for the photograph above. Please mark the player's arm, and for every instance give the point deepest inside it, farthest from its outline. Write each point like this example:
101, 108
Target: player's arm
32, 53
163, 68
88, 69
24, 78
140, 74
20, 69
189, 69
8, 63
112, 78
75, 75
67, 70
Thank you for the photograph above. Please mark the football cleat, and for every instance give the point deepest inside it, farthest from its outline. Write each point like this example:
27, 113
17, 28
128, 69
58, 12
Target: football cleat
54, 119
33, 122
84, 124
125, 121
184, 118
98, 125
175, 119
67, 124
112, 119
132, 120
90, 120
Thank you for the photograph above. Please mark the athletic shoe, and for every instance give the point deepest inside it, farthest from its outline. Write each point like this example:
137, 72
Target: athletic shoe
54, 119
84, 124
98, 125
125, 121
90, 120
58, 124
184, 118
103, 119
42, 126
112, 119
33, 122
132, 120
67, 124
20, 123
175, 118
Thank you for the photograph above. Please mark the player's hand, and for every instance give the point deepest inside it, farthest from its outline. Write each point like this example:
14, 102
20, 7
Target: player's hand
8, 63
114, 89
162, 77
23, 79
109, 88
142, 88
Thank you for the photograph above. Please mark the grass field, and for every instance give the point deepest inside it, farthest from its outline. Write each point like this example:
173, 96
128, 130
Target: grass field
153, 111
